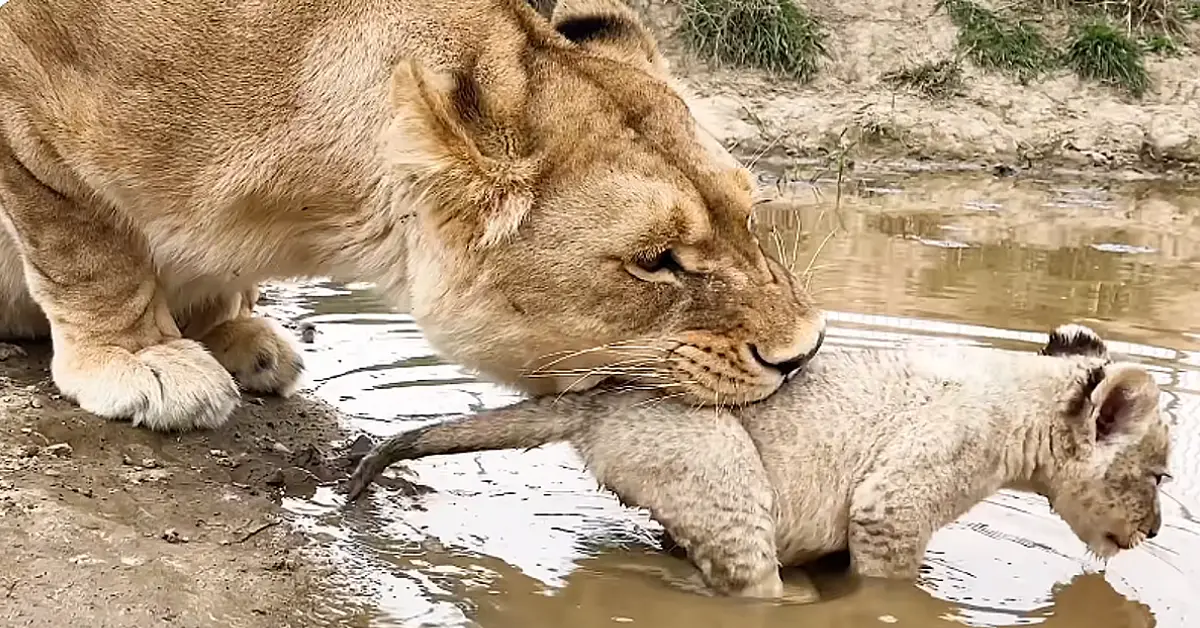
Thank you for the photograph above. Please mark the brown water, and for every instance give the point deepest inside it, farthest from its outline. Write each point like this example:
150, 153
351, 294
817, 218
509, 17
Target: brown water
524, 540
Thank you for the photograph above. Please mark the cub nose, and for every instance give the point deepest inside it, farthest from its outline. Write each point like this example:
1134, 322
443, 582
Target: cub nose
788, 366
1155, 525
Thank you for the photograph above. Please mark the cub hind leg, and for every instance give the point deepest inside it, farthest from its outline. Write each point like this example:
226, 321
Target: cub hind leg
117, 351
255, 350
703, 481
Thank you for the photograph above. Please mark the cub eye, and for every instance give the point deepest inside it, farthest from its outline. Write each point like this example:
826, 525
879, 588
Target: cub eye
664, 261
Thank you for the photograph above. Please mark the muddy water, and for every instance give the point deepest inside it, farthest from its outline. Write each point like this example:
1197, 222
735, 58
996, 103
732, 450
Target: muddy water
524, 540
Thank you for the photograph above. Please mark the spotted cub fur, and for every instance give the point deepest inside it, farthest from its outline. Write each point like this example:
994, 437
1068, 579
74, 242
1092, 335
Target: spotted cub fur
870, 451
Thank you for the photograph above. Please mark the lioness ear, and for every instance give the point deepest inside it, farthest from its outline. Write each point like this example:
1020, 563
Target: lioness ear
1126, 396
466, 148
612, 29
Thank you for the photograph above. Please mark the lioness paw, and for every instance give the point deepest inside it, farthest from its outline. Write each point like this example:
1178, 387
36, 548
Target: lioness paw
258, 354
174, 386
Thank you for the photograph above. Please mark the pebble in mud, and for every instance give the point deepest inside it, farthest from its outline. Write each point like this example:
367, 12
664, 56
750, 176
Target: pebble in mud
61, 450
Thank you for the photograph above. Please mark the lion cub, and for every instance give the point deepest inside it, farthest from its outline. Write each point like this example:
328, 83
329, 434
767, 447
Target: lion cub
866, 450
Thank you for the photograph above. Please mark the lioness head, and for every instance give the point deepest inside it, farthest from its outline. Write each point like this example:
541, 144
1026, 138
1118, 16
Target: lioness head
1114, 447
578, 224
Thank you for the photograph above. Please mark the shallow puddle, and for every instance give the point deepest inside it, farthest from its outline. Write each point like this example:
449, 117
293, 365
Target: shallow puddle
525, 540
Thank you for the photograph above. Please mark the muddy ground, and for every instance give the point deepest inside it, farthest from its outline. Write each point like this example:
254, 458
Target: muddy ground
107, 526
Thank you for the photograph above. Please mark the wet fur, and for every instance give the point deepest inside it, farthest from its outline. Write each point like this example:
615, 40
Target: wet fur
159, 159
868, 451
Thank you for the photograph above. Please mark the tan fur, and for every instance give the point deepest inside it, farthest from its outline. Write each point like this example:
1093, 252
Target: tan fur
867, 451
159, 159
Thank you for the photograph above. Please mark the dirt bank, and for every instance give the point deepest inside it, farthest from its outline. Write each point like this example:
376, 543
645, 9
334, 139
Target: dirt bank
108, 526
1058, 122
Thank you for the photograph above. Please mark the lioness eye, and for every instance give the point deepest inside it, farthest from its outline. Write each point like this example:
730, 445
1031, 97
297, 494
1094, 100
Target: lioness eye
1161, 478
664, 261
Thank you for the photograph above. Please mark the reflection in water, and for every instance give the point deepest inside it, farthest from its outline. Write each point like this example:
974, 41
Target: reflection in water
514, 539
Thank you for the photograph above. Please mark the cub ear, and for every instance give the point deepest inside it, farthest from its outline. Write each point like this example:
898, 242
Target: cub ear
1075, 340
461, 138
1124, 398
612, 29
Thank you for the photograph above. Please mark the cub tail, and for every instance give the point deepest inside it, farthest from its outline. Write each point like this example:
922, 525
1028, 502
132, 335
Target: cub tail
522, 425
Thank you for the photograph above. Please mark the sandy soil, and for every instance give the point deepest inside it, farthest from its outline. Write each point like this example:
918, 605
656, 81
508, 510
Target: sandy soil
108, 526
1059, 123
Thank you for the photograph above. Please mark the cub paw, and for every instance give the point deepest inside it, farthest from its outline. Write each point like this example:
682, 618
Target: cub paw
258, 354
174, 386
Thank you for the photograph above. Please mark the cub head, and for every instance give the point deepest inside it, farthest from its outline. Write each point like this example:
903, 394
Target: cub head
1112, 448
577, 224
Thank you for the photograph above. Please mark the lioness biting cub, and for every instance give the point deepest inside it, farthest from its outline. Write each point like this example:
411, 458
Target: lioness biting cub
537, 191
868, 450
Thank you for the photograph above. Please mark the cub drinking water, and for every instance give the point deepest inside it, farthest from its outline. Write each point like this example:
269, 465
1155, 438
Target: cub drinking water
870, 451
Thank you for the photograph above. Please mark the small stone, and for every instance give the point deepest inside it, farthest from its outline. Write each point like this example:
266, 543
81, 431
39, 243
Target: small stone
28, 451
279, 447
62, 450
34, 403
171, 535
361, 446
276, 478
308, 333
149, 463
218, 453
52, 473
126, 460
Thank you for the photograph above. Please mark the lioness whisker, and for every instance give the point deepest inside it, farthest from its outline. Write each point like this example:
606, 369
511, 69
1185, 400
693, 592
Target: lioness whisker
615, 346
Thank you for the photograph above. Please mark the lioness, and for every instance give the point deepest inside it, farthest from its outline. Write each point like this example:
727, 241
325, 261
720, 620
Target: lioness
869, 450
538, 193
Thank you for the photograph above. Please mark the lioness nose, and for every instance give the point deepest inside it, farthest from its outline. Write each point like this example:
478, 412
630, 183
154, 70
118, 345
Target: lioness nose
788, 366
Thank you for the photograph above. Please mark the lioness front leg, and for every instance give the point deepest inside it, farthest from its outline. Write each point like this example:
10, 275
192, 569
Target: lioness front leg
117, 350
254, 349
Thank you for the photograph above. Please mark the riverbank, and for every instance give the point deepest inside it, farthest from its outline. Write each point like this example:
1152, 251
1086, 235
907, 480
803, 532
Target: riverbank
105, 525
854, 109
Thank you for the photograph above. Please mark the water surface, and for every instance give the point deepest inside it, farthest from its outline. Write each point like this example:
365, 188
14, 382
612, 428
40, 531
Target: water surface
525, 540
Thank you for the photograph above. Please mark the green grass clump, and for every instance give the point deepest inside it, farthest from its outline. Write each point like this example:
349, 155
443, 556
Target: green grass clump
932, 79
1163, 45
1192, 11
995, 42
1142, 16
1100, 52
773, 35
